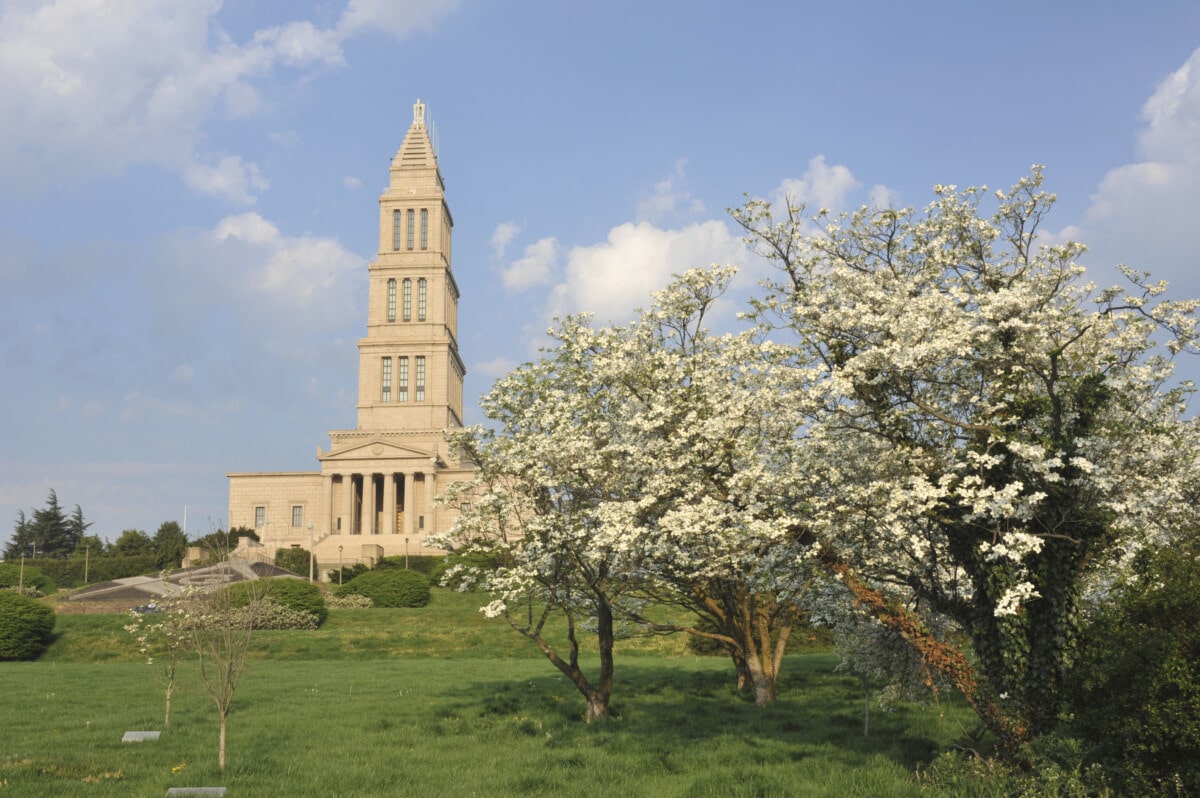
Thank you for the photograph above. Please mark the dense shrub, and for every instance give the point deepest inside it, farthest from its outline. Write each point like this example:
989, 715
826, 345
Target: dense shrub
272, 615
10, 576
351, 601
349, 572
26, 626
297, 594
390, 588
421, 563
1137, 682
295, 560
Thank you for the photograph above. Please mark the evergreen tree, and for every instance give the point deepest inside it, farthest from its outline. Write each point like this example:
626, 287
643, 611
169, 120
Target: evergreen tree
22, 539
170, 545
51, 533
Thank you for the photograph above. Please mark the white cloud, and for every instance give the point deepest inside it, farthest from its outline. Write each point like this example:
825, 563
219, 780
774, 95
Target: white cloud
821, 186
1141, 211
289, 273
496, 367
88, 88
231, 179
667, 201
613, 278
396, 19
536, 268
352, 183
502, 236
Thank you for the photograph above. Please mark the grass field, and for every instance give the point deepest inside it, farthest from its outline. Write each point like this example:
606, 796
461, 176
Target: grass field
441, 701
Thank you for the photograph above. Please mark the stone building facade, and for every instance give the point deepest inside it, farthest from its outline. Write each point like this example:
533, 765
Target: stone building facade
374, 494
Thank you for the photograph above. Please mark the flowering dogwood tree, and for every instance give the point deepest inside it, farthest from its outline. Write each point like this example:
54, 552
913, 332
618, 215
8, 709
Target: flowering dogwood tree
534, 508
644, 461
720, 513
995, 430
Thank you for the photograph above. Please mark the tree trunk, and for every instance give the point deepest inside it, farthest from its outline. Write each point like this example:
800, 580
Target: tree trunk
763, 679
866, 706
221, 745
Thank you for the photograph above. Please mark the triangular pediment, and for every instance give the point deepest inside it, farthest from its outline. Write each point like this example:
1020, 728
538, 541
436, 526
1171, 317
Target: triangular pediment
376, 449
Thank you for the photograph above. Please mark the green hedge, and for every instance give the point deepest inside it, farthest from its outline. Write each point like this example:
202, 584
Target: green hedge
390, 588
26, 626
421, 563
69, 573
10, 576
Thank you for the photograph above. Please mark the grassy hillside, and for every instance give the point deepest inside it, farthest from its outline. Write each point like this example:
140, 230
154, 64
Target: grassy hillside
441, 701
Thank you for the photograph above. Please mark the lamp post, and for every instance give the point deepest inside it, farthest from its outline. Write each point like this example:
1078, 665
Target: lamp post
406, 554
312, 553
339, 566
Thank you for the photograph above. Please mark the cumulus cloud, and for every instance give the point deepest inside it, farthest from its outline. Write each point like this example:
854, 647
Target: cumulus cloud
89, 88
396, 19
1140, 213
496, 367
613, 278
668, 200
537, 267
289, 273
821, 186
231, 179
502, 236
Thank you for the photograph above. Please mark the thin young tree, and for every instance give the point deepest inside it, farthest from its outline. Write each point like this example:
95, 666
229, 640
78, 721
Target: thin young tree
221, 624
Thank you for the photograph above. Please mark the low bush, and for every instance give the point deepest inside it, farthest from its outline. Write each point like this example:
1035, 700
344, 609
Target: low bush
26, 626
10, 576
272, 615
348, 573
294, 593
390, 588
1136, 686
351, 601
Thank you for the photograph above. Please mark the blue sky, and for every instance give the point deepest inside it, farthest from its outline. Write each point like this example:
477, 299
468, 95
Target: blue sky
188, 190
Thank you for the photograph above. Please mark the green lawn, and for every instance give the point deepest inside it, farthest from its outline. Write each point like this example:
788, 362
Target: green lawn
441, 701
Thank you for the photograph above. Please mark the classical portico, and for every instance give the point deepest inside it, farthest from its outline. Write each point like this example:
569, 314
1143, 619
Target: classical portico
375, 492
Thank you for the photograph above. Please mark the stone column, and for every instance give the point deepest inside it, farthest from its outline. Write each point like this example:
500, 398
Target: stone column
389, 504
327, 483
347, 504
410, 507
368, 504
431, 526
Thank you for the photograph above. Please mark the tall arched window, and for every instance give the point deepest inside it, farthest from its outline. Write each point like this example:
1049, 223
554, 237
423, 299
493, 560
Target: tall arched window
391, 299
421, 292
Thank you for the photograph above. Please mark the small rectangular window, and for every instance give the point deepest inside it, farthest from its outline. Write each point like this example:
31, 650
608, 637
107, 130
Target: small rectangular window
297, 515
391, 299
402, 385
387, 380
407, 299
260, 517
424, 228
421, 299
410, 228
396, 229
420, 387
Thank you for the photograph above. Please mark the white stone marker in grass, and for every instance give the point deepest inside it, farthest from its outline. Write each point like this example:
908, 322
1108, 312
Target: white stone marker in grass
139, 736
